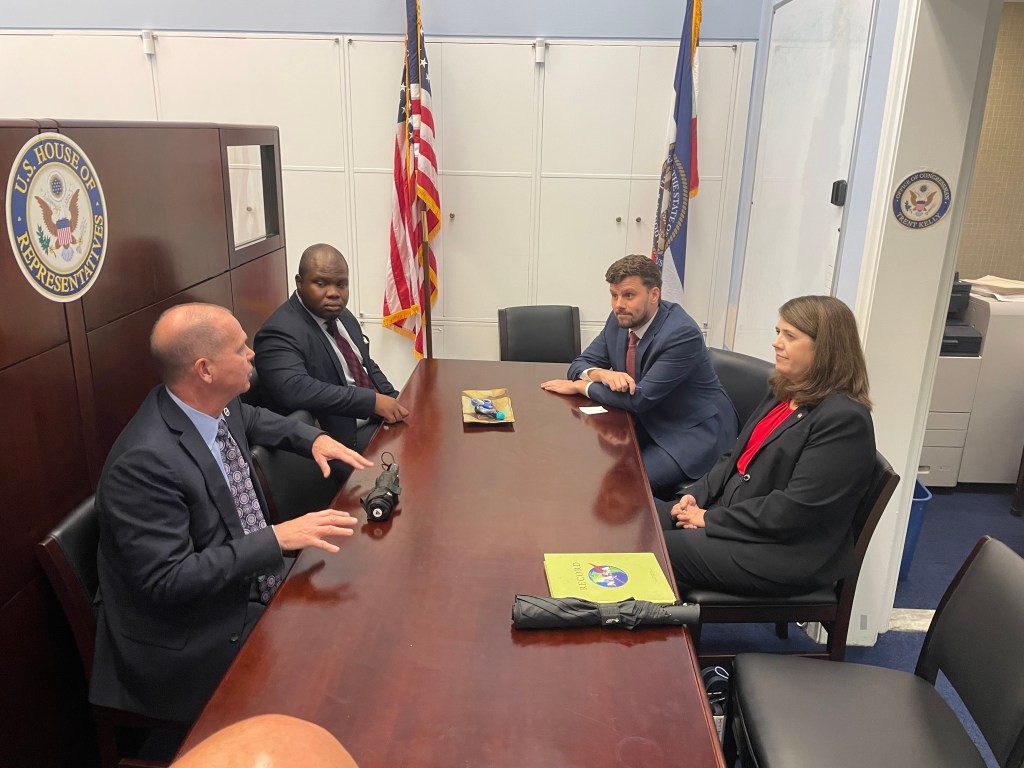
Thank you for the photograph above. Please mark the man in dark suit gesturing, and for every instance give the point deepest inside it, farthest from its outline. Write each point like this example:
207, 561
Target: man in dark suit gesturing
650, 360
186, 559
311, 355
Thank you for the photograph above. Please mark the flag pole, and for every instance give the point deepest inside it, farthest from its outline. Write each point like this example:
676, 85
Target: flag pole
428, 341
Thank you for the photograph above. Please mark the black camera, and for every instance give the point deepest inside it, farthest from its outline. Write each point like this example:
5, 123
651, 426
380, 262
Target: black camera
381, 499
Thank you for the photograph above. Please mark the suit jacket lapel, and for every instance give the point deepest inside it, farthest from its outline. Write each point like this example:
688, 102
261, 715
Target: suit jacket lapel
648, 339
619, 352
193, 444
317, 329
792, 420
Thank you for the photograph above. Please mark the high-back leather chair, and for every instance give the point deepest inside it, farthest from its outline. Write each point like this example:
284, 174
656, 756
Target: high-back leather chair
744, 378
539, 333
829, 606
293, 484
797, 713
68, 556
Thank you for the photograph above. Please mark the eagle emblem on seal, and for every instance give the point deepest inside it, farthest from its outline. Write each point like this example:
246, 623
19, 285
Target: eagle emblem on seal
61, 225
920, 205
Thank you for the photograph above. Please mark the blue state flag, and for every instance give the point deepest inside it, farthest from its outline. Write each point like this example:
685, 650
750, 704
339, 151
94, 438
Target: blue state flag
679, 180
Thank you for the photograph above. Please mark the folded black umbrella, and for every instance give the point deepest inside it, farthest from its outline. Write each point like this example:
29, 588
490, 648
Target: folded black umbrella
530, 612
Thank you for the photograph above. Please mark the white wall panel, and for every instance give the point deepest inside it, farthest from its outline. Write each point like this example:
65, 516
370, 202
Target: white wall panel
703, 251
654, 102
579, 239
393, 353
589, 332
373, 205
472, 341
86, 77
589, 107
375, 78
716, 82
545, 212
315, 210
486, 246
489, 107
294, 84
643, 200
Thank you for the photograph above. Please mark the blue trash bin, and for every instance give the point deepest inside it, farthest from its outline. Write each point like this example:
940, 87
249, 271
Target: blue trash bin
921, 498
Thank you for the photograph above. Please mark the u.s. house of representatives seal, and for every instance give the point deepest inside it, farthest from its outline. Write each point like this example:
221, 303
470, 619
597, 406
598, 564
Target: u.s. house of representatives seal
921, 200
56, 217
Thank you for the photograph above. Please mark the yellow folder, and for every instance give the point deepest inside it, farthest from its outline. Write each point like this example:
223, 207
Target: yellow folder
607, 577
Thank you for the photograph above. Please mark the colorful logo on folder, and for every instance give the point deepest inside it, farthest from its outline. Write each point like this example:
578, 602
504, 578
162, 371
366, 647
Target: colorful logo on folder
607, 576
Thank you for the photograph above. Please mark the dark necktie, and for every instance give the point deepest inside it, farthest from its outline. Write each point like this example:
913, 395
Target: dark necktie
246, 501
355, 365
631, 355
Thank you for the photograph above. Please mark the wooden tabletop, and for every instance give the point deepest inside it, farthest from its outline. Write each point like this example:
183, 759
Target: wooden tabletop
401, 645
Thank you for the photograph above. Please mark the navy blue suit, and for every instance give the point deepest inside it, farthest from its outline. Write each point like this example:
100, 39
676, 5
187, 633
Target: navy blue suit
680, 408
299, 369
175, 569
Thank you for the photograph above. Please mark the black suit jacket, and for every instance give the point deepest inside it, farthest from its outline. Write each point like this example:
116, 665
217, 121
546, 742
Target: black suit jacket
298, 369
175, 568
790, 516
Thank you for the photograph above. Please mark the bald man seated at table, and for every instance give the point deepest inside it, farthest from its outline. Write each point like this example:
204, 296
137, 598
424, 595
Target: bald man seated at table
186, 559
268, 741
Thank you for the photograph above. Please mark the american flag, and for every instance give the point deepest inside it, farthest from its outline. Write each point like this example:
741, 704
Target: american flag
415, 190
679, 178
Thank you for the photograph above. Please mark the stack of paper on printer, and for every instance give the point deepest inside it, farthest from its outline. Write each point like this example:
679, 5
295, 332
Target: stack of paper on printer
999, 288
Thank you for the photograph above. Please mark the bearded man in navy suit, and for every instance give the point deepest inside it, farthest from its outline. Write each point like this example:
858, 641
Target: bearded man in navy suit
651, 360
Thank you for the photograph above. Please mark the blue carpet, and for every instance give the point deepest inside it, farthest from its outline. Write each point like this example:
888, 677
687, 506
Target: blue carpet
954, 520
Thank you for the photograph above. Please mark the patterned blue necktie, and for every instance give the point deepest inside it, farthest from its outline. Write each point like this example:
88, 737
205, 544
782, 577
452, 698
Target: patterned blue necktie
246, 501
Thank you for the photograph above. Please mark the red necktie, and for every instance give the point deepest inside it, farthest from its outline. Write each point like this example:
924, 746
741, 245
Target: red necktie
631, 356
355, 365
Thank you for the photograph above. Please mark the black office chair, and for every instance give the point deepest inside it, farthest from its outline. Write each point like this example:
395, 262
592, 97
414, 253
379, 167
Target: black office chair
68, 556
830, 606
744, 378
799, 713
293, 484
539, 333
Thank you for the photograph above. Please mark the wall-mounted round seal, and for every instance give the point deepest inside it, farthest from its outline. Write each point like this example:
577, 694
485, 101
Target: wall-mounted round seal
56, 217
921, 200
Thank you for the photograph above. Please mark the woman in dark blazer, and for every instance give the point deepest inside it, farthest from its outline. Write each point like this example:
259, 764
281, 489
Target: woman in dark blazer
774, 515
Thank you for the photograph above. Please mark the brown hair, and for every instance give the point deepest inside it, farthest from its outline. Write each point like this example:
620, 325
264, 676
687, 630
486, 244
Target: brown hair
635, 265
838, 365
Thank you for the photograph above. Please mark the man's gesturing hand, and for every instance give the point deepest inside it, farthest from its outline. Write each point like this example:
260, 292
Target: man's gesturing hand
326, 448
311, 529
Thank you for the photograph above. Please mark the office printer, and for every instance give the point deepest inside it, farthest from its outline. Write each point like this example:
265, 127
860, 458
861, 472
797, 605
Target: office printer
959, 337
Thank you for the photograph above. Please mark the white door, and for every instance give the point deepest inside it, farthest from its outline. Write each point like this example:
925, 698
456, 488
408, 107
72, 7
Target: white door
805, 144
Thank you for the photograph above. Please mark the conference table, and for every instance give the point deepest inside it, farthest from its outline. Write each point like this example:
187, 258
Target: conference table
401, 644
